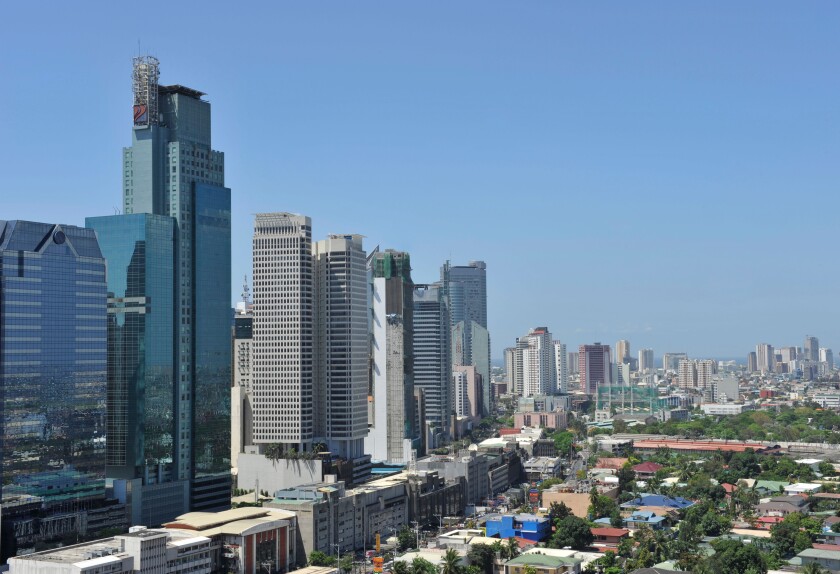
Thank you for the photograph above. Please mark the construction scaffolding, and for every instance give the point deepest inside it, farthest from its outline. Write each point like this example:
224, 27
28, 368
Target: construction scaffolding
145, 76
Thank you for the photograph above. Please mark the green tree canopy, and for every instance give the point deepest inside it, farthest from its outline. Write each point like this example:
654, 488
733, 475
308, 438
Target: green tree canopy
573, 532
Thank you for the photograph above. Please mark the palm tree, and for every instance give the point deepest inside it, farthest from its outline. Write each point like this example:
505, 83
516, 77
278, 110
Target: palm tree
512, 548
813, 568
451, 562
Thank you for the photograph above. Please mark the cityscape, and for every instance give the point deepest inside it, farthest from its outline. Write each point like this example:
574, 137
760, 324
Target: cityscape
346, 406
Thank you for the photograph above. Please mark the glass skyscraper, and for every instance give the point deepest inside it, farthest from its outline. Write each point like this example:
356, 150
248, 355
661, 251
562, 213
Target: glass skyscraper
171, 171
52, 379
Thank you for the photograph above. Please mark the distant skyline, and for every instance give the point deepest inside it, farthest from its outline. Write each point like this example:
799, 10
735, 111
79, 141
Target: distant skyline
665, 173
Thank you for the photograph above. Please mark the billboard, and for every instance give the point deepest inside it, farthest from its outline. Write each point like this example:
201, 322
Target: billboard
141, 115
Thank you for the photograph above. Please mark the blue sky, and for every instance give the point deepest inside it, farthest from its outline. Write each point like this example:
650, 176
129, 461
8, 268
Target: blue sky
665, 172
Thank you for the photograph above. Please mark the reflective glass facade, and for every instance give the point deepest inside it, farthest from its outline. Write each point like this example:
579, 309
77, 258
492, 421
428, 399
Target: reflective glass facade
52, 363
140, 254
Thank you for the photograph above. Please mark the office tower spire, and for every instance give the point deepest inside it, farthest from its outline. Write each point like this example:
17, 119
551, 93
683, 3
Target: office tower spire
171, 171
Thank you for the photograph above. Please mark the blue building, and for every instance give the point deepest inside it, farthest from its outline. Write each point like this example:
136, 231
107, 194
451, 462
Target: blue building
171, 171
52, 381
140, 254
528, 526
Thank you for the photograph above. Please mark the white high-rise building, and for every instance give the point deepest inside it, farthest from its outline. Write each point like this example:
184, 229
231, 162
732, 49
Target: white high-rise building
560, 367
341, 358
537, 352
646, 360
766, 357
827, 357
687, 376
283, 345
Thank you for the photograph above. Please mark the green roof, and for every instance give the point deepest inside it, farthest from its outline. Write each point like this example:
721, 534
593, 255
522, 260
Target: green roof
771, 485
534, 559
815, 553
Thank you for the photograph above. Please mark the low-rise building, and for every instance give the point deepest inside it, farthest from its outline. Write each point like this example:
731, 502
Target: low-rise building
542, 564
609, 537
725, 409
470, 465
542, 468
545, 419
142, 550
577, 499
528, 526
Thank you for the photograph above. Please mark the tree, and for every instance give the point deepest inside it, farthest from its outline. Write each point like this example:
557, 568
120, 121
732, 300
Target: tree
813, 568
572, 531
559, 511
512, 548
346, 562
422, 566
483, 556
399, 567
734, 557
451, 562
318, 558
406, 538
626, 478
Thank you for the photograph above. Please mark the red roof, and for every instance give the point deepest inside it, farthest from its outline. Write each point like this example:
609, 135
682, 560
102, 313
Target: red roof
618, 532
507, 431
696, 445
770, 519
730, 488
647, 467
831, 547
524, 542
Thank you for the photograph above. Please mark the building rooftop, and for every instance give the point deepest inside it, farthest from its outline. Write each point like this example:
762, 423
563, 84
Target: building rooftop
206, 520
537, 559
179, 89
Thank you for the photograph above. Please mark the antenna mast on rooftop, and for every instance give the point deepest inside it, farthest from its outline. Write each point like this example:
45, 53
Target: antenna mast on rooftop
246, 291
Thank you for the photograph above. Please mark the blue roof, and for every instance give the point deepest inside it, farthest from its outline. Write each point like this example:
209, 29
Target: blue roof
658, 500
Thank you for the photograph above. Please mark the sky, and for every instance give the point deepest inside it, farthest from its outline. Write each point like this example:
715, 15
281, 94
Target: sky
663, 172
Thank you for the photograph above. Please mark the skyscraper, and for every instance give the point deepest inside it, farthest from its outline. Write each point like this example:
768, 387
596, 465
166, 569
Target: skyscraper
827, 357
466, 289
537, 353
646, 360
142, 452
561, 368
595, 367
752, 362
510, 370
341, 345
766, 358
622, 351
283, 395
811, 348
53, 348
432, 362
172, 170
241, 398
392, 432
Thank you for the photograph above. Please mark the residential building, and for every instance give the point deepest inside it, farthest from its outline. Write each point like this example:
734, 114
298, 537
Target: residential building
510, 370
595, 367
671, 361
573, 363
561, 367
537, 356
622, 351
466, 384
392, 432
140, 250
172, 170
432, 364
543, 564
53, 362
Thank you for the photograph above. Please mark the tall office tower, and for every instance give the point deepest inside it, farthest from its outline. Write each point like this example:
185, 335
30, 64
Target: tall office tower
536, 350
171, 169
142, 451
342, 343
466, 289
432, 361
622, 351
671, 361
283, 344
561, 368
466, 385
53, 349
510, 369
241, 398
573, 363
391, 429
786, 354
646, 360
765, 357
811, 348
594, 365
752, 362
827, 357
